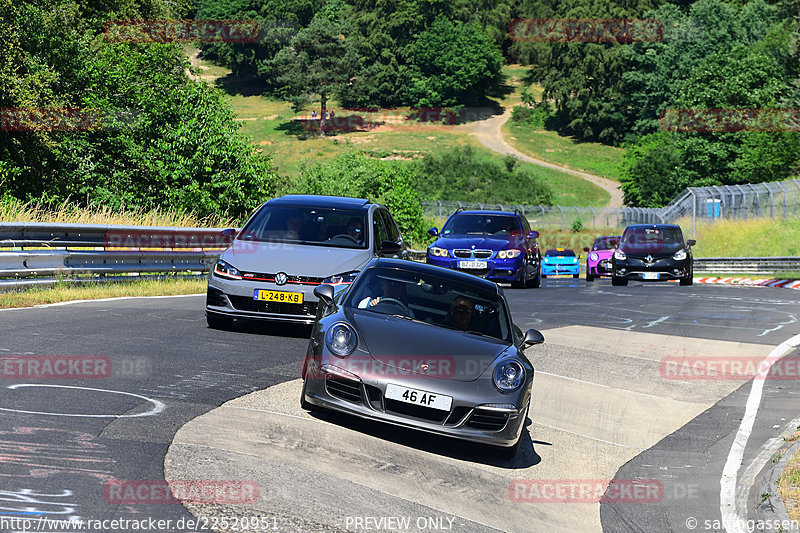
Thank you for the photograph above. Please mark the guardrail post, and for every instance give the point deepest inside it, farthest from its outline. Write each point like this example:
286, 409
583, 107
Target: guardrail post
694, 213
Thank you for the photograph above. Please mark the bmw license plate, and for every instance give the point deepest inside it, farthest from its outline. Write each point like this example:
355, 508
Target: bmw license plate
650, 275
278, 296
473, 264
419, 397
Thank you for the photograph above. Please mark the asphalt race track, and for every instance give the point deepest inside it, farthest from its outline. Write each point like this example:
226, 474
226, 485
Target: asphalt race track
185, 402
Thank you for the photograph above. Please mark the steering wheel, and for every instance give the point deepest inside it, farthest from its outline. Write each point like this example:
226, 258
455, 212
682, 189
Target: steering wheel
347, 236
397, 303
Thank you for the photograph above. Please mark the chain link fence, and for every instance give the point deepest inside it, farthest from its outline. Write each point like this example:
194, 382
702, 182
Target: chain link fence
773, 199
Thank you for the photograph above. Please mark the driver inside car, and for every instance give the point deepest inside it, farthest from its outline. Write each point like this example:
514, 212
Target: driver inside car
390, 290
355, 229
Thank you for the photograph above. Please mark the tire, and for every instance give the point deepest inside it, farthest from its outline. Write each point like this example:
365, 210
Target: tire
576, 275
619, 282
537, 281
303, 402
523, 282
544, 276
688, 280
589, 277
219, 322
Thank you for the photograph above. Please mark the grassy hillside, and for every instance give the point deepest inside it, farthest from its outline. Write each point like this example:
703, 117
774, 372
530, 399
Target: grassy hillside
764, 237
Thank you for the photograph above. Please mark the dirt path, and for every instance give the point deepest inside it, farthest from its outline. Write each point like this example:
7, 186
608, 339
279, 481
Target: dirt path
490, 134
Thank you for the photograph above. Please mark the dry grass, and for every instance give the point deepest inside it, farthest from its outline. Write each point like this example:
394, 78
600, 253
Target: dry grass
65, 292
789, 482
759, 237
67, 212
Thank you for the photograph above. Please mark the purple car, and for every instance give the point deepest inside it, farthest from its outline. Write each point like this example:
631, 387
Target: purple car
598, 262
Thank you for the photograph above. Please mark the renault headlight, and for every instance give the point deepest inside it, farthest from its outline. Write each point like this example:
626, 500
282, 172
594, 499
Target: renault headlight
680, 255
226, 270
619, 255
508, 254
437, 252
509, 376
341, 339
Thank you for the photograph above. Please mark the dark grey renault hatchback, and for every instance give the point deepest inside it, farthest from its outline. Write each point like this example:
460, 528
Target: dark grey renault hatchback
652, 252
424, 347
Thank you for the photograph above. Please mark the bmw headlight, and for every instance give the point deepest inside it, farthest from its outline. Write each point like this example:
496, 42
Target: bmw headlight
437, 252
619, 255
226, 270
509, 376
680, 255
508, 254
593, 256
341, 339
341, 279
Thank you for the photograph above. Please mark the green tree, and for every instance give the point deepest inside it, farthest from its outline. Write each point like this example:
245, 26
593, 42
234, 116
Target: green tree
319, 60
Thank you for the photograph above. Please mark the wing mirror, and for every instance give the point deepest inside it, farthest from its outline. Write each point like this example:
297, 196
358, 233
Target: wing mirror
533, 234
324, 292
691, 242
433, 232
585, 248
391, 248
532, 336
229, 234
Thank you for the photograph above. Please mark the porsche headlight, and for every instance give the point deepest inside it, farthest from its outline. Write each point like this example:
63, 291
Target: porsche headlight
593, 256
619, 255
341, 339
508, 254
341, 279
437, 252
226, 270
509, 376
680, 255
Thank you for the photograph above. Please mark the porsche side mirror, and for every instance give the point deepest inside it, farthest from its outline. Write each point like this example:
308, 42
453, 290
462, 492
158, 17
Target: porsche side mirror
228, 234
433, 232
532, 336
391, 248
324, 292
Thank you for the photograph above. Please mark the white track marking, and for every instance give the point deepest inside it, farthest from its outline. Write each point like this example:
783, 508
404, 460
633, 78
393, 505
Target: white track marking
157, 405
732, 521
71, 302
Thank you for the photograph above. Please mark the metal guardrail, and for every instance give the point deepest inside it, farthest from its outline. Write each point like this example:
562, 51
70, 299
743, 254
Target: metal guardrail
747, 265
191, 250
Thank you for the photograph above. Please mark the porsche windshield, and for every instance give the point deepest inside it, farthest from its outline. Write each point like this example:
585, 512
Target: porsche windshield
308, 225
438, 301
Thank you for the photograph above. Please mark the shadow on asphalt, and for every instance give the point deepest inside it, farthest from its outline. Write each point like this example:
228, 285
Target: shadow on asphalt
440, 445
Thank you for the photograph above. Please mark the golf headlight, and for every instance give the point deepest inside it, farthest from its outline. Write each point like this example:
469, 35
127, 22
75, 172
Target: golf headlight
619, 255
225, 270
593, 256
339, 279
509, 376
341, 339
437, 252
680, 255
508, 254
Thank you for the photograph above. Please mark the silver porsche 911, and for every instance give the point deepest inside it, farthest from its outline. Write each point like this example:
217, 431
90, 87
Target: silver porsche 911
422, 347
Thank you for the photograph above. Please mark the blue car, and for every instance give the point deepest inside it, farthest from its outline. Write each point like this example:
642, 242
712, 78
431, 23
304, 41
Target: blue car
496, 245
560, 261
